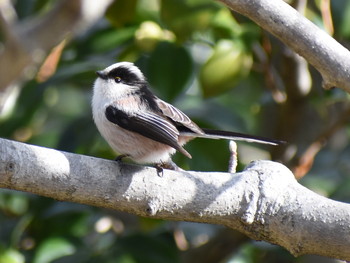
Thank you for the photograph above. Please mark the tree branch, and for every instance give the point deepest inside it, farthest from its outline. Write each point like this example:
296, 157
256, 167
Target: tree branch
264, 202
329, 57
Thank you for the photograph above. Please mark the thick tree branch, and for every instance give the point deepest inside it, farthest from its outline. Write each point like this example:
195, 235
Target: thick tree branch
329, 57
265, 202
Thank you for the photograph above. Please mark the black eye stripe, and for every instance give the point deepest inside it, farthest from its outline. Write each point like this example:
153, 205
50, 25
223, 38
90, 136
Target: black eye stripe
123, 74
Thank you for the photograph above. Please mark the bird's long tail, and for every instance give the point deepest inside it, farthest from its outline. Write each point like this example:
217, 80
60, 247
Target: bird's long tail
235, 136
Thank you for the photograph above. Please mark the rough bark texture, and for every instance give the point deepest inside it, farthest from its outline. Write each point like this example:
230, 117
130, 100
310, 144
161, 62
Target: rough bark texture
264, 201
322, 51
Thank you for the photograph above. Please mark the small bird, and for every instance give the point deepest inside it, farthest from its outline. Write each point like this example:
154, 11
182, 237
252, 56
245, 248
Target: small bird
139, 125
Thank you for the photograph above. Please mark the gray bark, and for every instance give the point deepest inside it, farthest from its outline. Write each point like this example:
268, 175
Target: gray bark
322, 51
264, 201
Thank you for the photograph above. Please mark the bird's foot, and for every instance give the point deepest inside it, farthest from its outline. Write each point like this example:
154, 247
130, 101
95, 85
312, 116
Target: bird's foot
166, 165
159, 169
120, 157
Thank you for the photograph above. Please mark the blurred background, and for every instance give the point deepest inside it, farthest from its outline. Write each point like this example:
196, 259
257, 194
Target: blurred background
217, 66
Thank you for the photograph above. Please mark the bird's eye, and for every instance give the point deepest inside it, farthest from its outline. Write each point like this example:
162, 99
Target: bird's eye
118, 79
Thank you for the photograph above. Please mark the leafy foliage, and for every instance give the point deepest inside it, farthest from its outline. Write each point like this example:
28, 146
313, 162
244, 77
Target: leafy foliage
218, 67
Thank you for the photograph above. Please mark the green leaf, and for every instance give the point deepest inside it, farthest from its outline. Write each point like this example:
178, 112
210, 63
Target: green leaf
53, 248
150, 248
11, 256
106, 39
341, 17
121, 12
169, 69
226, 66
16, 204
185, 18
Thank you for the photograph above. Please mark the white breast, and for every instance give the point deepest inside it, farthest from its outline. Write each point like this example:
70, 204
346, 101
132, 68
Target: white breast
139, 148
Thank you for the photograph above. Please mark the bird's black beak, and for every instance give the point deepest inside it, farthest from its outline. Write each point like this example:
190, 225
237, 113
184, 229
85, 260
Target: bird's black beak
101, 74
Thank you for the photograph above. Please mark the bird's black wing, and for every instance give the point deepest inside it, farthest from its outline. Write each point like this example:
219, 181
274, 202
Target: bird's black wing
147, 124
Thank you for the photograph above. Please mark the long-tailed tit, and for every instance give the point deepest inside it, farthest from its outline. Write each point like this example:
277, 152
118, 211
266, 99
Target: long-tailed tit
139, 125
